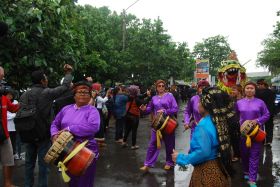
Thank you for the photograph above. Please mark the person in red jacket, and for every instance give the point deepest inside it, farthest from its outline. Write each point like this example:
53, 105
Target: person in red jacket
6, 149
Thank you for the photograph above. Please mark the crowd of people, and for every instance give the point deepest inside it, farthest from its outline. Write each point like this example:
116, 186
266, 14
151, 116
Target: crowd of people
223, 127
85, 109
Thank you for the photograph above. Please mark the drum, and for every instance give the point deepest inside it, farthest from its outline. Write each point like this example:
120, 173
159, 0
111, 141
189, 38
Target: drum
248, 129
260, 136
72, 155
164, 123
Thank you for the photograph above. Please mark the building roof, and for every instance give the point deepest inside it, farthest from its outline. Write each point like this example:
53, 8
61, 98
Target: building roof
258, 74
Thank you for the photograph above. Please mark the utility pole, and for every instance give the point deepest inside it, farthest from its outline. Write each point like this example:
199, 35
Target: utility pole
123, 30
124, 25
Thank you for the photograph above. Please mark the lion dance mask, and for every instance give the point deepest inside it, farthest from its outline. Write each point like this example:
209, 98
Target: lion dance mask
231, 73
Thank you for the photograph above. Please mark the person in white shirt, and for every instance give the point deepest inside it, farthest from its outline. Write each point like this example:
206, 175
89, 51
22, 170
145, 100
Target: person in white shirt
99, 102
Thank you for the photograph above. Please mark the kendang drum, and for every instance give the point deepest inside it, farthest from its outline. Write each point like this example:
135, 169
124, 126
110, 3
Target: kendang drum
164, 123
252, 131
69, 156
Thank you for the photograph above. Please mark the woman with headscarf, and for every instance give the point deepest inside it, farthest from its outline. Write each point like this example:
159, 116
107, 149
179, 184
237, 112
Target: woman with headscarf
132, 116
210, 143
82, 121
254, 109
166, 103
191, 114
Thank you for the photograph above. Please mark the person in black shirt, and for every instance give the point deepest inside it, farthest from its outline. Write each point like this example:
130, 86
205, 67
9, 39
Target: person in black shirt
268, 96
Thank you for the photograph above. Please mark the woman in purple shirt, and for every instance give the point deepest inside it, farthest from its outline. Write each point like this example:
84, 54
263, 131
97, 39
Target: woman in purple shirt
162, 102
251, 108
82, 121
191, 114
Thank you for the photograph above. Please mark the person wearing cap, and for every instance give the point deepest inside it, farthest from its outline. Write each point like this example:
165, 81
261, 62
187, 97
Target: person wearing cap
166, 103
254, 109
210, 146
191, 114
82, 120
268, 96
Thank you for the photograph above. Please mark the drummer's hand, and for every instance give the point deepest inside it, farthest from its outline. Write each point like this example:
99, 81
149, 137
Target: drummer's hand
54, 138
255, 122
174, 155
143, 107
161, 111
187, 127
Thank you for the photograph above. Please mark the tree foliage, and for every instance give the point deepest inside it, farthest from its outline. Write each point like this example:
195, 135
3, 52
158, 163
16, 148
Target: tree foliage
270, 56
45, 34
216, 49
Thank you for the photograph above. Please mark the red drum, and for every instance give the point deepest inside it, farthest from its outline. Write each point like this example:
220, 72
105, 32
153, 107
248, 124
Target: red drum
170, 126
260, 136
253, 131
63, 147
164, 123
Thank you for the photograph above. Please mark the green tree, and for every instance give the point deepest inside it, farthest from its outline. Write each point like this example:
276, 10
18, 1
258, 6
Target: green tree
269, 57
45, 34
216, 49
41, 36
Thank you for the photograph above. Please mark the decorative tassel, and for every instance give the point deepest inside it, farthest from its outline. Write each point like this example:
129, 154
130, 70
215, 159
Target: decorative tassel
238, 77
248, 140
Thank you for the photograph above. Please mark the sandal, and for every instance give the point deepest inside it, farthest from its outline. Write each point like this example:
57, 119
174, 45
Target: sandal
135, 147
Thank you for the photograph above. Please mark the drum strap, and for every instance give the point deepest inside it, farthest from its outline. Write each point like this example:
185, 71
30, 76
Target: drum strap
159, 134
61, 165
248, 139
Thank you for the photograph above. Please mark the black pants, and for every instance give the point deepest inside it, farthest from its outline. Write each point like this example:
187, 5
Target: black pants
13, 137
120, 122
107, 120
235, 138
269, 125
131, 124
101, 132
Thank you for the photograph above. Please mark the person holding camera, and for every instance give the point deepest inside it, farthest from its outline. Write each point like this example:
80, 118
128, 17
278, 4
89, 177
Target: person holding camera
6, 149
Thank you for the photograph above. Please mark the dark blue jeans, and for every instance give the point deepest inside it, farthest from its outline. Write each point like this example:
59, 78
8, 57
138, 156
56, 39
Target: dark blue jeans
32, 151
120, 122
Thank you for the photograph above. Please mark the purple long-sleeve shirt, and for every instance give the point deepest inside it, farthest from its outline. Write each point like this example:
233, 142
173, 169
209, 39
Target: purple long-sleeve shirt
166, 102
81, 122
192, 110
252, 109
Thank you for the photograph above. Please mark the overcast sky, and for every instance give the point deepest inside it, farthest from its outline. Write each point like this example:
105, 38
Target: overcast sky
246, 23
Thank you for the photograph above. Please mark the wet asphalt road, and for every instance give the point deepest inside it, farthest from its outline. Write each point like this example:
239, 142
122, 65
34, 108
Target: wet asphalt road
119, 167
